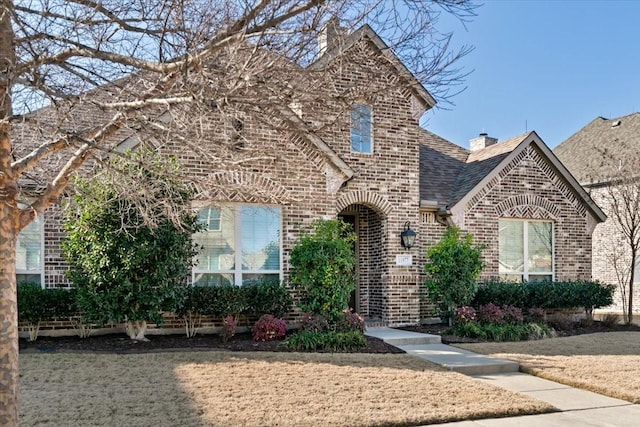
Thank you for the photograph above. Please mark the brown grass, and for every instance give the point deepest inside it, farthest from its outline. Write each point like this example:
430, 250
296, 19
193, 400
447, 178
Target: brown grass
607, 363
252, 389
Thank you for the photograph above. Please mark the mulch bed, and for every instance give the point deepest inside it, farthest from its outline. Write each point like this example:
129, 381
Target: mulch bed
121, 344
574, 329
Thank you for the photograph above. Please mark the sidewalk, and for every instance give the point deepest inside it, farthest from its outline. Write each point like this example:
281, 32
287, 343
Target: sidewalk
578, 407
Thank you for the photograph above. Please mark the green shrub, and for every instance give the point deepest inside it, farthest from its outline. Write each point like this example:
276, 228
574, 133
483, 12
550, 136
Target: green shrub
326, 341
268, 297
323, 268
313, 322
351, 321
501, 332
547, 295
453, 266
127, 258
36, 304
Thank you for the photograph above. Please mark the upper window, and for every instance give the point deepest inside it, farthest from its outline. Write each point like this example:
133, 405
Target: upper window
361, 119
243, 249
526, 250
29, 250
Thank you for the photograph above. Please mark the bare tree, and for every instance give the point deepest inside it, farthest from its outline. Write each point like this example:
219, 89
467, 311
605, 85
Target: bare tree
76, 76
617, 189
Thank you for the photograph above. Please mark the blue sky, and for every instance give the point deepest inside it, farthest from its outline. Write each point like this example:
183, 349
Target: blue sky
548, 66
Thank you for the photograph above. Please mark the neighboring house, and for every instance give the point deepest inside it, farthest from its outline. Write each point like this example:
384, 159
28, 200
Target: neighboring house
599, 155
380, 171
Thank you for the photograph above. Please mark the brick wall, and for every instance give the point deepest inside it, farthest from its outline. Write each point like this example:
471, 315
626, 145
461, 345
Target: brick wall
529, 188
612, 255
284, 169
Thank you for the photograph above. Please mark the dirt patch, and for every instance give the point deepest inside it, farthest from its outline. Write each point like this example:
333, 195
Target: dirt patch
121, 344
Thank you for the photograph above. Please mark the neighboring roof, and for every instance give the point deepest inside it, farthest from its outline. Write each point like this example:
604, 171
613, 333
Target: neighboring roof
366, 31
585, 152
472, 171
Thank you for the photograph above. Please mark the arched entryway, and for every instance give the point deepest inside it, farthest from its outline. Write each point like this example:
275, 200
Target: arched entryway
369, 224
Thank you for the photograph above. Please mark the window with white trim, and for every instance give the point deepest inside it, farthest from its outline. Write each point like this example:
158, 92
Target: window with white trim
241, 245
526, 250
29, 253
361, 128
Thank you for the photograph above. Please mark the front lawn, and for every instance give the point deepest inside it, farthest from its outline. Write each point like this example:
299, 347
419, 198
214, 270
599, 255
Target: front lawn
220, 388
607, 363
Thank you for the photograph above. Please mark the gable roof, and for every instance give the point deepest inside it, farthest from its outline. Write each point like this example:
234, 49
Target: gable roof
480, 164
582, 153
367, 32
472, 171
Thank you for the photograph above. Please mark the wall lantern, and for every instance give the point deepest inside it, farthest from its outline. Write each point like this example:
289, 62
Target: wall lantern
408, 236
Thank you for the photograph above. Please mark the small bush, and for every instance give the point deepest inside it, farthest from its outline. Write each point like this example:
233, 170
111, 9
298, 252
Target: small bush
269, 328
610, 320
465, 314
326, 341
305, 340
536, 315
501, 332
467, 330
314, 323
560, 322
229, 325
512, 314
490, 314
351, 321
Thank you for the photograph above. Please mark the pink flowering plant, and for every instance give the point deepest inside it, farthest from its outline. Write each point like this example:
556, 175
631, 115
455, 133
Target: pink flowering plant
490, 313
269, 328
465, 314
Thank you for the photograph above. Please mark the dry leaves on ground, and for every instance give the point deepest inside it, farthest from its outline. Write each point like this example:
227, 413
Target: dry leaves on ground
252, 389
607, 363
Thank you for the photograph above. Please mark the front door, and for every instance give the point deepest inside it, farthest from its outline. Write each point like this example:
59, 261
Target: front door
352, 220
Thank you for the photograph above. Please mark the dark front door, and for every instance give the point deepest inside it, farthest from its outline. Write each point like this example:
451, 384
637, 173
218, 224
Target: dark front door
352, 220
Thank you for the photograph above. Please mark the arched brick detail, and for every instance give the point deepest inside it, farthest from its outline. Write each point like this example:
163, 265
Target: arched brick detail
366, 198
527, 206
241, 186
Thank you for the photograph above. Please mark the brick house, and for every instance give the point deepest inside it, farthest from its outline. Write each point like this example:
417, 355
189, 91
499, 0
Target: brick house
377, 169
597, 155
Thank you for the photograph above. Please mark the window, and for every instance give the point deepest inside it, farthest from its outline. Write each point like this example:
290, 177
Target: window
210, 218
29, 250
526, 250
241, 248
361, 118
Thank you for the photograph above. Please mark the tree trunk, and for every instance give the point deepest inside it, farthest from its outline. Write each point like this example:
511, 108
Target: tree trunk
634, 254
136, 330
9, 320
9, 228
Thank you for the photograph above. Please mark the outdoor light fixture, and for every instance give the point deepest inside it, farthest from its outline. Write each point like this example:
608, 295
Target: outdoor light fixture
408, 236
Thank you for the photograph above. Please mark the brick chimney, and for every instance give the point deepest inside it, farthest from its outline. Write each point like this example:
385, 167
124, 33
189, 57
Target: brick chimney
330, 36
482, 141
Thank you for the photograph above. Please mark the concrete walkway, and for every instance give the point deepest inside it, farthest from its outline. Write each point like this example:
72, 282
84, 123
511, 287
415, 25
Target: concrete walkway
578, 407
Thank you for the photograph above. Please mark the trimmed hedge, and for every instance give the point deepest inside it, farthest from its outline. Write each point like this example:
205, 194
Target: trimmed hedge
251, 300
548, 295
36, 304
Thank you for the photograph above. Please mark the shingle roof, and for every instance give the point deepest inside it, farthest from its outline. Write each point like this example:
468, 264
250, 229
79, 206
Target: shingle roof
481, 163
440, 163
584, 153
